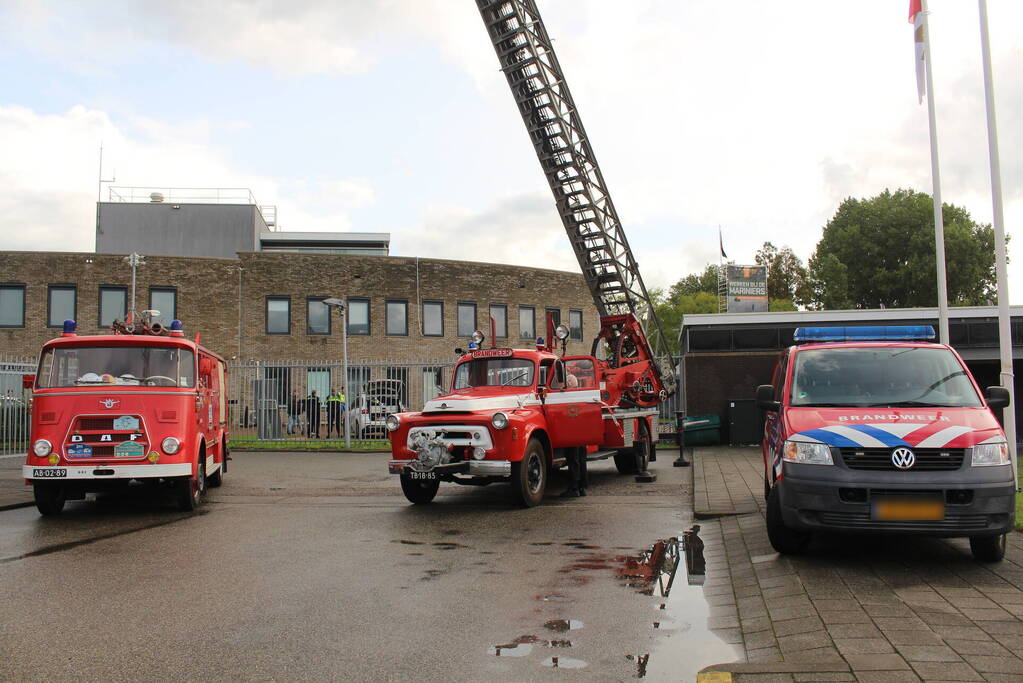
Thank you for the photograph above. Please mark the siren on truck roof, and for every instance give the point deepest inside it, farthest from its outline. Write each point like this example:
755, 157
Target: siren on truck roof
805, 335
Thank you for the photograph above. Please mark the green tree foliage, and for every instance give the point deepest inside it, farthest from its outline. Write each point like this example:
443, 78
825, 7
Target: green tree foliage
671, 307
787, 277
707, 281
879, 252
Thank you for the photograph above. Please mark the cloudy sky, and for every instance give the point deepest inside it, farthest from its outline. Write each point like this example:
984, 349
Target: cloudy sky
391, 115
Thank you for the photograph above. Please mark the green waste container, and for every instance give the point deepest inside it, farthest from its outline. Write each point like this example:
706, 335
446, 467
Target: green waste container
698, 430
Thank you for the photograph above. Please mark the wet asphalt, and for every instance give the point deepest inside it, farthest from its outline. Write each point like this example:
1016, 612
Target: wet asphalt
313, 566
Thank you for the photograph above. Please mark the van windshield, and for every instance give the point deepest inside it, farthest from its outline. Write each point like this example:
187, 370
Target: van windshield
883, 376
151, 366
494, 372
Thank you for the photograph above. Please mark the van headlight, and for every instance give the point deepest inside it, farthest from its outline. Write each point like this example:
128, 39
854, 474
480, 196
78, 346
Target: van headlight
392, 422
499, 420
170, 445
985, 454
42, 448
806, 453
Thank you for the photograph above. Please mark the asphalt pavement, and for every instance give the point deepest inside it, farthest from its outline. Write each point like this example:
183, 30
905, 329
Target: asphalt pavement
313, 566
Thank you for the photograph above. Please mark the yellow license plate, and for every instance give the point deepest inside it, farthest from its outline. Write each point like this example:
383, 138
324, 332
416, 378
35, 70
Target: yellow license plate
909, 509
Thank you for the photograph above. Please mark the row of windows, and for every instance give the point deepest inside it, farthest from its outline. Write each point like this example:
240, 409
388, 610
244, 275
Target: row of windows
62, 304
396, 318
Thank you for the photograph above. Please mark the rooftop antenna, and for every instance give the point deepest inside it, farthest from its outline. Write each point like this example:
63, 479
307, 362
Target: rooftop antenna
99, 185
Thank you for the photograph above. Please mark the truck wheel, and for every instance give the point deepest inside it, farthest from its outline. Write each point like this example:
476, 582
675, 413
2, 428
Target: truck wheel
988, 548
49, 499
783, 539
419, 491
625, 461
529, 475
189, 490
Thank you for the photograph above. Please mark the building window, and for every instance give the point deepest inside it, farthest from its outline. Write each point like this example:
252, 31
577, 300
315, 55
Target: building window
165, 300
317, 315
113, 304
61, 304
556, 313
12, 305
400, 374
278, 315
527, 322
575, 325
397, 317
466, 318
433, 383
318, 380
433, 318
358, 316
499, 314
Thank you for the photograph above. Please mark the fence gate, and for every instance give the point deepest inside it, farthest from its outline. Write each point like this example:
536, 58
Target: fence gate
15, 423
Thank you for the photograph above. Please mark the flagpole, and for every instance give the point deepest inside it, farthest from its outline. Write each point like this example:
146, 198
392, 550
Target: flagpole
939, 223
1004, 332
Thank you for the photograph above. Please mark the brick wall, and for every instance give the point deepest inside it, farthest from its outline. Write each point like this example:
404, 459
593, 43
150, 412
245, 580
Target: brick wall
225, 299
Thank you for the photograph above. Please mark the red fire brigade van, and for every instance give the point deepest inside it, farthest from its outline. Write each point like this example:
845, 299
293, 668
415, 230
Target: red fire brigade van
514, 414
144, 405
876, 429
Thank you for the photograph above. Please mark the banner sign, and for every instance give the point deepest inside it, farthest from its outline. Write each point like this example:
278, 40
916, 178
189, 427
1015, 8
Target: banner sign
747, 288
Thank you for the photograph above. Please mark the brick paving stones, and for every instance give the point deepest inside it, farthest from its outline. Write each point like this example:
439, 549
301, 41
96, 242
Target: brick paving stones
867, 609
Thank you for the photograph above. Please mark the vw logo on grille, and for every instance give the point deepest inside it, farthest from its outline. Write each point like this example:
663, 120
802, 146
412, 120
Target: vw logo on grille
903, 458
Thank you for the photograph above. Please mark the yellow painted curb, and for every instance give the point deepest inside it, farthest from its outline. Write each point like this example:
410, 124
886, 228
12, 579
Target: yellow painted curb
714, 677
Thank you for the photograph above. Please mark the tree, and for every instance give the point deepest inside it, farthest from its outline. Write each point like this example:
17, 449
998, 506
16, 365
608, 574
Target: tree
671, 307
787, 277
707, 281
879, 252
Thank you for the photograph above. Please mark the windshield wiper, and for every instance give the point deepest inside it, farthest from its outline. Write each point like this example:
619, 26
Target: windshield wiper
515, 378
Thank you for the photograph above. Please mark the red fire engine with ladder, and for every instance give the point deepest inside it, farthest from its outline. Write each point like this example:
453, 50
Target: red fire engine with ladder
514, 414
143, 405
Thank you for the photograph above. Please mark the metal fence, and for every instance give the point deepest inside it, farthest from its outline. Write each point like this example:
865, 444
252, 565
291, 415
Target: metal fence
15, 424
261, 393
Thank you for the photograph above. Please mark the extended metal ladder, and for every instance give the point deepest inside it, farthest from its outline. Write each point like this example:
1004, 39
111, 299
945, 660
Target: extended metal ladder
552, 120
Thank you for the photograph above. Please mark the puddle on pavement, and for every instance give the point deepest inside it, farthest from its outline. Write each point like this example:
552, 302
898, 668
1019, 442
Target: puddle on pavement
562, 625
564, 663
554, 598
674, 569
516, 650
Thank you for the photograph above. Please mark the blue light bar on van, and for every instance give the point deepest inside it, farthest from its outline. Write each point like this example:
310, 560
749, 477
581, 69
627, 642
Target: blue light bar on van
804, 335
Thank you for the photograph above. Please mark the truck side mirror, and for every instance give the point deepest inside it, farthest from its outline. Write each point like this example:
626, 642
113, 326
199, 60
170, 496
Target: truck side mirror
765, 398
997, 397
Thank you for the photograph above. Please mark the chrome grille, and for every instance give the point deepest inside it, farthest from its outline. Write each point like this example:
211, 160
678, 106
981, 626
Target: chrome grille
927, 459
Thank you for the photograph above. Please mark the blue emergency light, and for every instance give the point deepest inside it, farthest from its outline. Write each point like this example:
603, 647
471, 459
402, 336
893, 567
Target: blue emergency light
805, 335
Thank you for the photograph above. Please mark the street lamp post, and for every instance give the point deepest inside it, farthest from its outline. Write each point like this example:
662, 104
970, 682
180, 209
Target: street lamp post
339, 304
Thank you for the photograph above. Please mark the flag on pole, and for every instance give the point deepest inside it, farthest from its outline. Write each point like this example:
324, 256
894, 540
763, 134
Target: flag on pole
916, 18
721, 243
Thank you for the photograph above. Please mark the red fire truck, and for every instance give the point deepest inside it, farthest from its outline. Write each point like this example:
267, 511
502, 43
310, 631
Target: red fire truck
143, 405
514, 414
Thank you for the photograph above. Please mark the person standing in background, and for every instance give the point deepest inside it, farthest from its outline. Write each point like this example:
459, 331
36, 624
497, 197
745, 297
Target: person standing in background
294, 412
335, 407
312, 411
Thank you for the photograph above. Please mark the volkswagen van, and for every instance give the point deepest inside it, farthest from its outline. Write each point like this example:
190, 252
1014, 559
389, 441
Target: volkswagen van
881, 430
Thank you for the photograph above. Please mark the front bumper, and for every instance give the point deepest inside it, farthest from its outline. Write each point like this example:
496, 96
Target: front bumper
105, 472
821, 503
472, 468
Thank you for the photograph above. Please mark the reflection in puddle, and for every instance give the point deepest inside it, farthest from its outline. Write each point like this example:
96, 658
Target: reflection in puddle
554, 598
564, 663
562, 625
518, 650
688, 645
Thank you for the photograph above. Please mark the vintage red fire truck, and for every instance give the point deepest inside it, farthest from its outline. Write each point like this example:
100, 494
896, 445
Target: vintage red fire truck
143, 405
513, 415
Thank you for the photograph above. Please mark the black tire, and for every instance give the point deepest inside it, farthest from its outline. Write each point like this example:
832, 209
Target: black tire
647, 445
49, 499
419, 491
216, 479
783, 539
189, 490
988, 548
767, 488
625, 461
529, 475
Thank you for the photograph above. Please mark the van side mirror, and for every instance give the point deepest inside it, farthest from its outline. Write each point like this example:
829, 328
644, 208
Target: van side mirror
765, 398
997, 397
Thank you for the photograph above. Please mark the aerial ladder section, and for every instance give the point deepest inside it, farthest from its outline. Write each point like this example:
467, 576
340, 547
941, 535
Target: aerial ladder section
563, 148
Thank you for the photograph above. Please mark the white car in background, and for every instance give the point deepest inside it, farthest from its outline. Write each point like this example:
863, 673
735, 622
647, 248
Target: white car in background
369, 410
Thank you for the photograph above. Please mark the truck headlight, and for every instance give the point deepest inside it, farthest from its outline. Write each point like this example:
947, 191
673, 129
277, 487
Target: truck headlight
990, 454
806, 453
499, 420
42, 447
170, 445
392, 422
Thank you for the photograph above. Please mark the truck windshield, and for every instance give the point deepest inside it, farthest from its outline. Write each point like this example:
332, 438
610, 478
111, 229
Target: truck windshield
889, 376
494, 372
151, 366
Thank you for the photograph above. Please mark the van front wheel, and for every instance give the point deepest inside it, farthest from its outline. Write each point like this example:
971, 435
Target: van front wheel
783, 539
